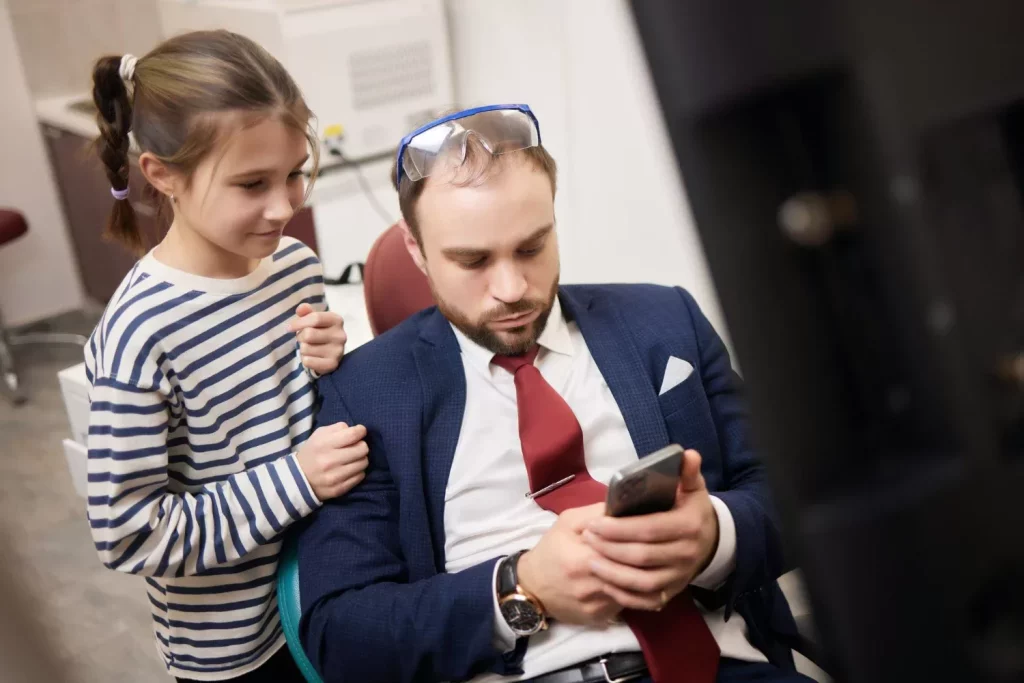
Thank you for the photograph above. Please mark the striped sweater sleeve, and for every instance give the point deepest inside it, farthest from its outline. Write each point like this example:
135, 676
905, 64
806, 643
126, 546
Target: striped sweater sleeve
141, 527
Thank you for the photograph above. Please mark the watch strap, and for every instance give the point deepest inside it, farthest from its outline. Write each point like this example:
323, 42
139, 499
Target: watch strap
508, 576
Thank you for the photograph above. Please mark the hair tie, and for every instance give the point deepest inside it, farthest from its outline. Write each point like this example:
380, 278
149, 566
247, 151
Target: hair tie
119, 195
127, 69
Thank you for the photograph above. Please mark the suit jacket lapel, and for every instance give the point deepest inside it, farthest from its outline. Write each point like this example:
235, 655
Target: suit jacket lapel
443, 382
614, 349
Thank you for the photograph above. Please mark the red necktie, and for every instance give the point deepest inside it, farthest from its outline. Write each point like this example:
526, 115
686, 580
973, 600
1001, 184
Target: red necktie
676, 643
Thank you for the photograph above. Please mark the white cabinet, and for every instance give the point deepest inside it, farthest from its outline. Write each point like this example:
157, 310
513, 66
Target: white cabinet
74, 386
376, 68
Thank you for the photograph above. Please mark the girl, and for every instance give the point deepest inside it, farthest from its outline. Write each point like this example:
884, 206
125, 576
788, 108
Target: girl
200, 404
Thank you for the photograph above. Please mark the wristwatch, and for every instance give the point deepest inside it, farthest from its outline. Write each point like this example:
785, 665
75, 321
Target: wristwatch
523, 613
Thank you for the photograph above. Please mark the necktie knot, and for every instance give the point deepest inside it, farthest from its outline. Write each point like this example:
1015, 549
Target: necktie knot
513, 363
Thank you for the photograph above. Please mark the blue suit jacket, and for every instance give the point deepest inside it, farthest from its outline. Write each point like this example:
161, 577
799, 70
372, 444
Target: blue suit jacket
377, 604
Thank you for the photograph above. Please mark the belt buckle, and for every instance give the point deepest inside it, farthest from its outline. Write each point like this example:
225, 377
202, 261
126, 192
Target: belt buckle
608, 679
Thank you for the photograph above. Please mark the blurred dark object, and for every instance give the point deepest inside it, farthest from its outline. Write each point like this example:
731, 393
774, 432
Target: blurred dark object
856, 170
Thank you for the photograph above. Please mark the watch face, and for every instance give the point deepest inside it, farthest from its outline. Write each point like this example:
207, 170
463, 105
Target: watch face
521, 615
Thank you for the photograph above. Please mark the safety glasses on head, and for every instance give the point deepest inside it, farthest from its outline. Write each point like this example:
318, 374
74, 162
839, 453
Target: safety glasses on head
499, 128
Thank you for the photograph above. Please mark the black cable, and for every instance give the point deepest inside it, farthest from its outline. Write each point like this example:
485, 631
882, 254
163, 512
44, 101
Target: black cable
364, 184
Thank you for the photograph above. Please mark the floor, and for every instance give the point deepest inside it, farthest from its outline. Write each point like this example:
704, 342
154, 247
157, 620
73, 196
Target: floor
96, 621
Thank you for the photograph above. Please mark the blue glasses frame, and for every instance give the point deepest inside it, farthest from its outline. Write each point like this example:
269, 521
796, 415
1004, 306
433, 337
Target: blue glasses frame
454, 117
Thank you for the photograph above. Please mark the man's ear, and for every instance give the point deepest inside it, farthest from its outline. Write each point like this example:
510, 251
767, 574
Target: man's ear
163, 179
412, 246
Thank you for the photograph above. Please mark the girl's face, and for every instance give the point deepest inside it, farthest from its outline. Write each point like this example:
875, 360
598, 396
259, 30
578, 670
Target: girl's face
244, 192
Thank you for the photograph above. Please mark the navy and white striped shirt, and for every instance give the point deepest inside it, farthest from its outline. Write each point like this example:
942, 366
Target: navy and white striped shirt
199, 401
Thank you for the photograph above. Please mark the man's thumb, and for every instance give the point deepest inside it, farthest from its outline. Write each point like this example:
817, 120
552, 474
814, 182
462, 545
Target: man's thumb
691, 479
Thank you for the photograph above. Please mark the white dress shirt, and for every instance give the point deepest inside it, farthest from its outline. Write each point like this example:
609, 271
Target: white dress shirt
487, 513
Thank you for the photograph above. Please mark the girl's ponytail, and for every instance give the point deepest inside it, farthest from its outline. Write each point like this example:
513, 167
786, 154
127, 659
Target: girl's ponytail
113, 100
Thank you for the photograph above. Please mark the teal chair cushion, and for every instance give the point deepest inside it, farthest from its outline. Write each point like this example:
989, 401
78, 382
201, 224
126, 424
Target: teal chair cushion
290, 607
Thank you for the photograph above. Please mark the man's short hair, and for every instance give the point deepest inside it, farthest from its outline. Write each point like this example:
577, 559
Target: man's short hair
478, 165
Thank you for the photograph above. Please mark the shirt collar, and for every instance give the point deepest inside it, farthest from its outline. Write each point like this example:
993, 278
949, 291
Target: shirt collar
554, 339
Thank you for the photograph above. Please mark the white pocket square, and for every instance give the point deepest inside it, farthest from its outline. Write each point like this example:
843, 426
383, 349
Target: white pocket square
676, 371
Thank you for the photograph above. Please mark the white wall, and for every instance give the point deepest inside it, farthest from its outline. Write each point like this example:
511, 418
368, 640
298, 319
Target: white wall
60, 39
346, 222
514, 52
38, 276
622, 214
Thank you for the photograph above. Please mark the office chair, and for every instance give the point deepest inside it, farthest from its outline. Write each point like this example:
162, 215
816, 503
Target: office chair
13, 226
394, 288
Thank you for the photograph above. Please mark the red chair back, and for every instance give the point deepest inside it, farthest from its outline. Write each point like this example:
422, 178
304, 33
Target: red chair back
12, 225
392, 284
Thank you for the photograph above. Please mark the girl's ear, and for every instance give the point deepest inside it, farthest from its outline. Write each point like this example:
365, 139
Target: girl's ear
159, 175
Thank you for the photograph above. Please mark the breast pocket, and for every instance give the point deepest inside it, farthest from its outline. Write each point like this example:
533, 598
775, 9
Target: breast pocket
681, 395
687, 415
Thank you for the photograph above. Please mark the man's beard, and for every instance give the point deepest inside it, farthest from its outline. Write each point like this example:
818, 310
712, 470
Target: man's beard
478, 332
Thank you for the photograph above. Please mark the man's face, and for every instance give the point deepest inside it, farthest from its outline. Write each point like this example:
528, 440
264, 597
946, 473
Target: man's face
490, 253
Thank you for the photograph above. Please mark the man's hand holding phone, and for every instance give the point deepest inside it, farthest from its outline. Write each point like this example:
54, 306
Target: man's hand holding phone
644, 561
557, 571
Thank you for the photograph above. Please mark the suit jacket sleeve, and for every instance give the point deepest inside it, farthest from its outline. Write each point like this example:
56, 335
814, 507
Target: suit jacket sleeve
363, 621
759, 555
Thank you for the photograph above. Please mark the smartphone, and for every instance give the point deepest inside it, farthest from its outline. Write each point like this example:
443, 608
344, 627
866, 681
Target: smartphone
647, 485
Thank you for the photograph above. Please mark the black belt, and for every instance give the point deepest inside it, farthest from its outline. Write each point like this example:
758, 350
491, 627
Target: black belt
614, 668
